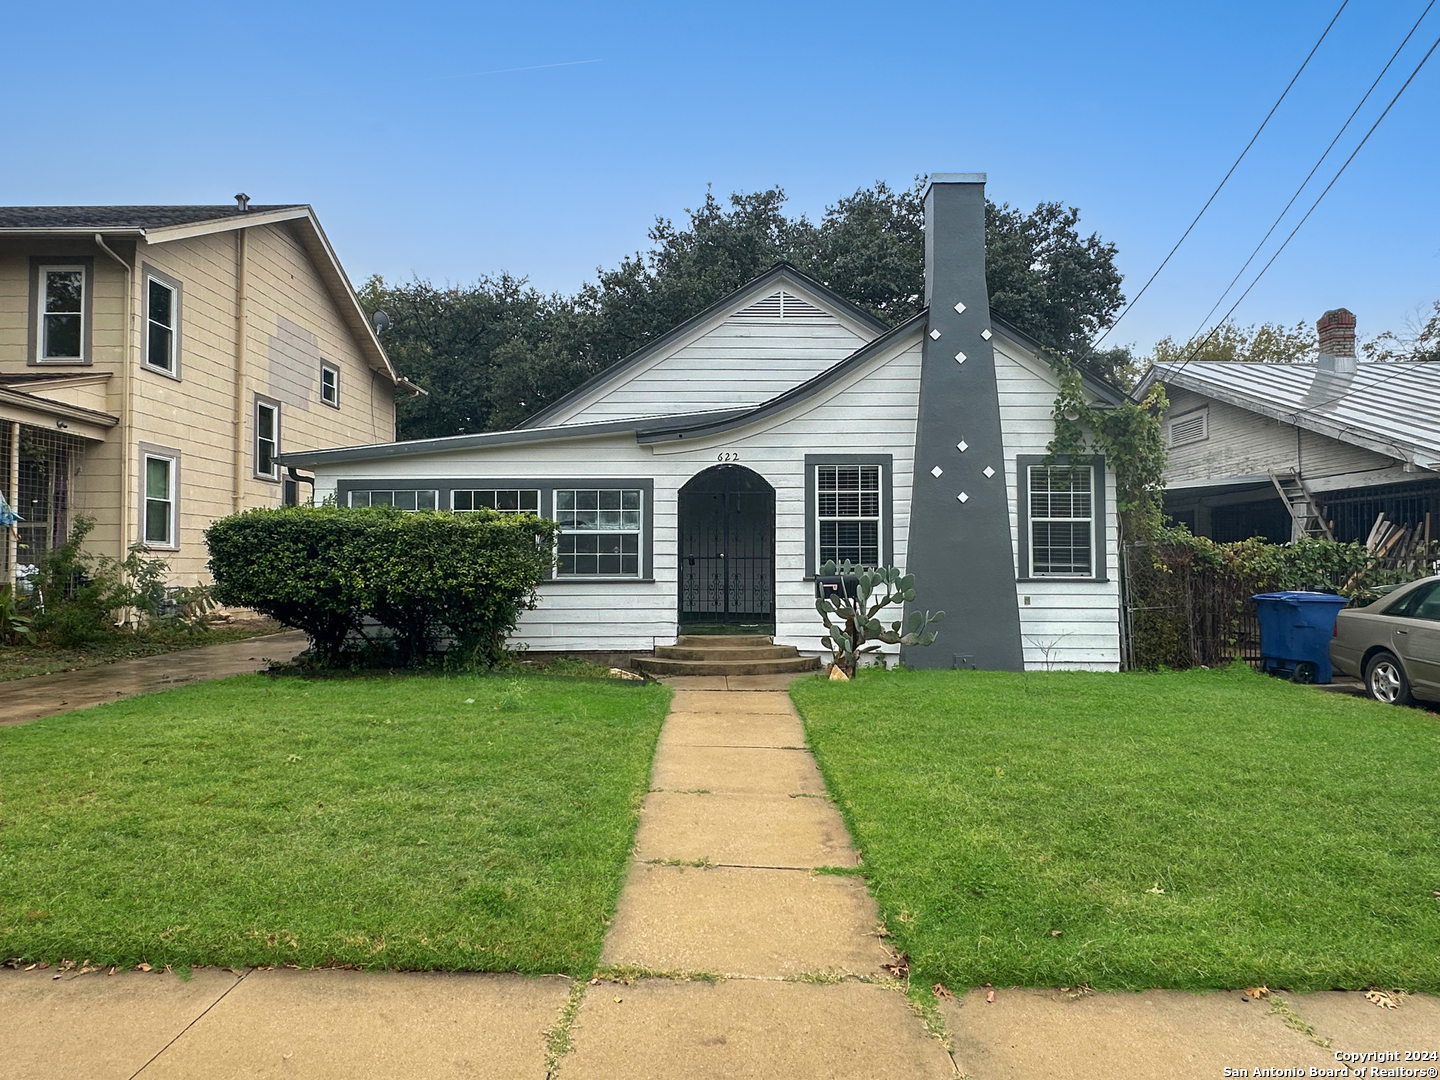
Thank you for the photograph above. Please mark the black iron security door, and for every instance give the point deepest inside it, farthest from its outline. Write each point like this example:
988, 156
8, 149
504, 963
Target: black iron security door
727, 547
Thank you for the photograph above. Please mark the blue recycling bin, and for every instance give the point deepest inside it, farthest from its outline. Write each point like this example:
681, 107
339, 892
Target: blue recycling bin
1295, 633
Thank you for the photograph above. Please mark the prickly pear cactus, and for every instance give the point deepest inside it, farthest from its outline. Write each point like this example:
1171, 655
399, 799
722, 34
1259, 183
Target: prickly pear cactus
853, 625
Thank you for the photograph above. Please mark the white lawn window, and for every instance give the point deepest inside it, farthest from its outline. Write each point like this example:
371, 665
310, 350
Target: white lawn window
847, 513
503, 500
161, 310
1062, 521
267, 440
600, 530
330, 385
401, 499
159, 500
62, 314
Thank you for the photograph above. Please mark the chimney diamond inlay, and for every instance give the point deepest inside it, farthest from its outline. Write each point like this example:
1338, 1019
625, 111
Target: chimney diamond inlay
934, 335
936, 471
985, 333
989, 472
964, 498
962, 446
960, 358
959, 307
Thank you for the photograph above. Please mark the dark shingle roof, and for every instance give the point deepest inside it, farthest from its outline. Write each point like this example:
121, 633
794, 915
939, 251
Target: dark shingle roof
119, 217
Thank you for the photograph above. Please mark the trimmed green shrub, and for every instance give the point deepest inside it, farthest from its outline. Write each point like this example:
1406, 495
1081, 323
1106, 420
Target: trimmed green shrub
433, 581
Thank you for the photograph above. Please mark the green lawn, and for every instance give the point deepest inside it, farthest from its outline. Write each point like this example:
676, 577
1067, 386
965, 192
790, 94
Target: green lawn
1201, 829
478, 823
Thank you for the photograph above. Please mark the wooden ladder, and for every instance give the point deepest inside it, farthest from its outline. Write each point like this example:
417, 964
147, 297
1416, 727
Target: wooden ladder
1304, 510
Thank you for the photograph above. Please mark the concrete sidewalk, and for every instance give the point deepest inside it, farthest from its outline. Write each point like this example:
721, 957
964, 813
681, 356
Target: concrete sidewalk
22, 700
729, 957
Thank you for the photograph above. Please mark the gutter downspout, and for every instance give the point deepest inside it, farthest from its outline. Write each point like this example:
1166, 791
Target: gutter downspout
242, 302
126, 406
12, 534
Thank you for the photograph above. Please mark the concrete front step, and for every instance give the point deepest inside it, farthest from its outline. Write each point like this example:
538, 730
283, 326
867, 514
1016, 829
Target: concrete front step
661, 666
722, 641
725, 652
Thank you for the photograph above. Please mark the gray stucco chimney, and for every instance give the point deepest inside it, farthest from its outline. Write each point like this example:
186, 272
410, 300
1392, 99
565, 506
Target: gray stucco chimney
1336, 331
959, 545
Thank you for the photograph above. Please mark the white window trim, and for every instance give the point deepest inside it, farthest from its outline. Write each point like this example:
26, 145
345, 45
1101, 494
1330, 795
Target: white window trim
273, 406
332, 369
60, 267
174, 327
638, 530
1031, 520
171, 542
879, 517
350, 497
535, 491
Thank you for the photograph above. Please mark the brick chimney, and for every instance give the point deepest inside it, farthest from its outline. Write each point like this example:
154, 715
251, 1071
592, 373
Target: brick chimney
1337, 341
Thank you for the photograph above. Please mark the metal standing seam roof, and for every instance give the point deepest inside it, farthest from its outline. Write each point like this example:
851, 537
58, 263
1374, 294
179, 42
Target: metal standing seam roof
1391, 408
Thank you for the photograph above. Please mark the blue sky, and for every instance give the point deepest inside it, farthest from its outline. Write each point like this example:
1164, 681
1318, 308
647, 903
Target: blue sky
418, 165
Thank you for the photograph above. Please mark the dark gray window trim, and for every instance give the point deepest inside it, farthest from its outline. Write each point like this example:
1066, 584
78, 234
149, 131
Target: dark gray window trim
446, 485
154, 450
148, 272
87, 307
887, 504
326, 365
1100, 520
261, 399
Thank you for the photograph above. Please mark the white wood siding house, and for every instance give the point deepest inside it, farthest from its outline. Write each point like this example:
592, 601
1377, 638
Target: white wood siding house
706, 478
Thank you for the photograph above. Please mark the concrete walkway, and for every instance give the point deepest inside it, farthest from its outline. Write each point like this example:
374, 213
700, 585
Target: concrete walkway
22, 700
728, 957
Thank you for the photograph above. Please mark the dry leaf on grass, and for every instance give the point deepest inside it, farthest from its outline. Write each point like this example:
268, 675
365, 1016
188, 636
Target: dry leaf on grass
1256, 992
1384, 998
142, 967
900, 969
1056, 933
940, 991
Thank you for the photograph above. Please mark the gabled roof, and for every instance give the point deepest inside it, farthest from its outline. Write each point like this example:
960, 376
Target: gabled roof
163, 224
108, 218
1391, 408
766, 281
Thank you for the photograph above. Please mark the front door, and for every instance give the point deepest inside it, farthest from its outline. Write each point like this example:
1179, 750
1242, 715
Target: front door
727, 548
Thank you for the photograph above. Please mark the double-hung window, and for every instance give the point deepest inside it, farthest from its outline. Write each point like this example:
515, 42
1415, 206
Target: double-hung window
503, 500
267, 439
1062, 520
330, 385
401, 499
162, 324
600, 532
159, 518
61, 332
847, 513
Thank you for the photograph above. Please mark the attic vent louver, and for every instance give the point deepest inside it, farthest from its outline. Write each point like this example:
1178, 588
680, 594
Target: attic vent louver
1190, 428
781, 305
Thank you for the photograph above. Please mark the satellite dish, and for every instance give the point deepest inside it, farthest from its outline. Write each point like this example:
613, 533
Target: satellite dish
382, 322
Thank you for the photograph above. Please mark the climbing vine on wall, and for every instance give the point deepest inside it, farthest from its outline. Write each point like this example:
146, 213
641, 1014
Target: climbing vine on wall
1131, 438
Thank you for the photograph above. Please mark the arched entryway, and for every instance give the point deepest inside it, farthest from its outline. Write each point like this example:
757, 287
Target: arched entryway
727, 548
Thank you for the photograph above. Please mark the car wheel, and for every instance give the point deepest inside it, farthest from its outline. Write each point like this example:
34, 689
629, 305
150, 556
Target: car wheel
1385, 680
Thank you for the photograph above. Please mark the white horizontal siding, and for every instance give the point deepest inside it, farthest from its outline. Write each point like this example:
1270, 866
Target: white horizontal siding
1064, 625
845, 418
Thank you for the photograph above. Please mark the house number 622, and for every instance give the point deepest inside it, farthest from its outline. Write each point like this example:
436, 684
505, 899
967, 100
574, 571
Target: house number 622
727, 455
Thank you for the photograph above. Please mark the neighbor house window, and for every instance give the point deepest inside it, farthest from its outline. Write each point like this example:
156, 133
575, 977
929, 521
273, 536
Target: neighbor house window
600, 531
159, 524
162, 324
330, 385
267, 439
505, 500
401, 499
847, 513
62, 327
1062, 520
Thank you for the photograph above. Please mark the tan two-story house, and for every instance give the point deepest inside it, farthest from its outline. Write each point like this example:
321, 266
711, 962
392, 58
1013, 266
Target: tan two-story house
154, 361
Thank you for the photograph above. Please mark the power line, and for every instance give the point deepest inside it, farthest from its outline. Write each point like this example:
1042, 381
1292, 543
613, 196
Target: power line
1313, 205
1226, 177
1343, 128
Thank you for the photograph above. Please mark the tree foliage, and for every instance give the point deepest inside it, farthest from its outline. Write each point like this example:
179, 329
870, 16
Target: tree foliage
496, 351
1263, 343
1417, 340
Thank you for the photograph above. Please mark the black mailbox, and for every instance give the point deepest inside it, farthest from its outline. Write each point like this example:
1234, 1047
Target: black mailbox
836, 586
